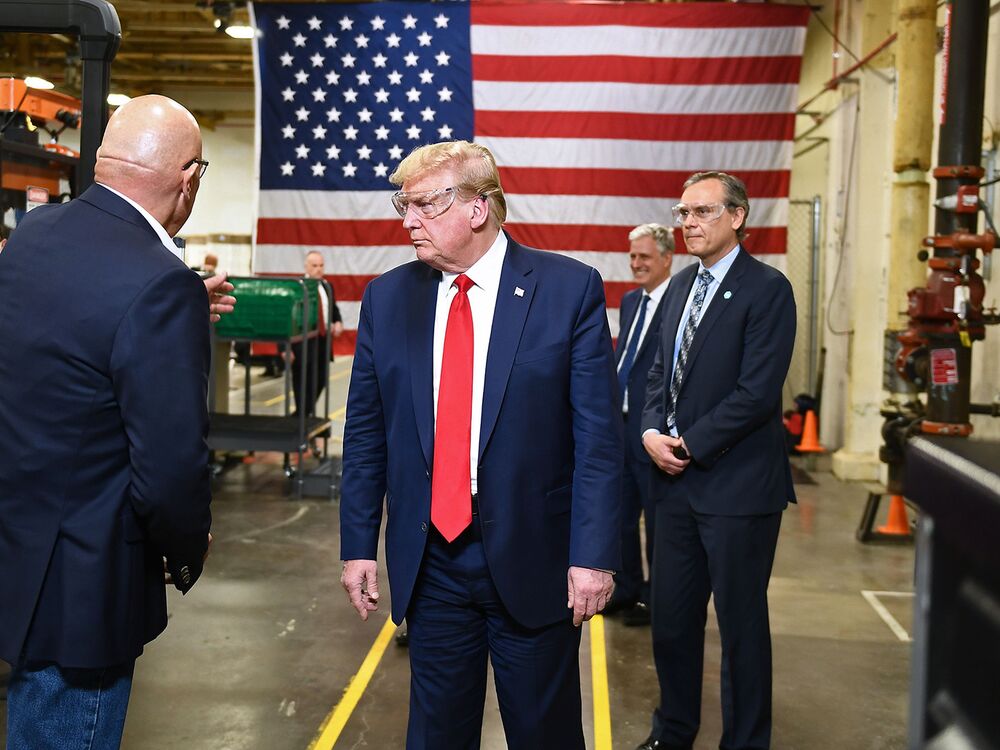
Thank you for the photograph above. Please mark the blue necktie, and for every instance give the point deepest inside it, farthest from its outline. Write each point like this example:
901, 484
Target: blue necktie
704, 280
633, 346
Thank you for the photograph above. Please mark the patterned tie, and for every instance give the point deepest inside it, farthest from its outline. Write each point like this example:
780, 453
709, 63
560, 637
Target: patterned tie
633, 346
704, 279
451, 484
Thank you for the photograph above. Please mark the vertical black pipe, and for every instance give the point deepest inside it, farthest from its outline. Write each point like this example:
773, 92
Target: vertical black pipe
959, 145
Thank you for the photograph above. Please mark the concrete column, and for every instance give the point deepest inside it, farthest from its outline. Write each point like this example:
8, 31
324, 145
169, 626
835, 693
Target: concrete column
869, 250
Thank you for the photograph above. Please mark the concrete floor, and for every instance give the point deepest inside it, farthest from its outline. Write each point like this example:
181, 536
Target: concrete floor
263, 648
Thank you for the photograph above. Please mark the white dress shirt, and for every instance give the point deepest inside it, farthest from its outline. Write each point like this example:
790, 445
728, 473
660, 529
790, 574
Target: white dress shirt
485, 276
652, 300
157, 227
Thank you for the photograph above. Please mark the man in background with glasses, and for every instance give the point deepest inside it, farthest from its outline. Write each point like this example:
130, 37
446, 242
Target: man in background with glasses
712, 426
483, 411
104, 480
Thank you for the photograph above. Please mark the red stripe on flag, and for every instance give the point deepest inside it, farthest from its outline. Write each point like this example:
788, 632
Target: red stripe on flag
707, 16
344, 343
623, 69
627, 182
615, 290
312, 232
635, 126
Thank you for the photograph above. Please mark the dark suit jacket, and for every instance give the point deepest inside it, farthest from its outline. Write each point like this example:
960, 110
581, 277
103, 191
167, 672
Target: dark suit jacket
729, 407
104, 337
640, 369
550, 449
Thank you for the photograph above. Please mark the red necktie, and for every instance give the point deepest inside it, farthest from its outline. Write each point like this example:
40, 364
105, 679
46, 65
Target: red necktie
451, 486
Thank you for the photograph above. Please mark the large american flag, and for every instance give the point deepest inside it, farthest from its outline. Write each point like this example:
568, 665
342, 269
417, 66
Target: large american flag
596, 113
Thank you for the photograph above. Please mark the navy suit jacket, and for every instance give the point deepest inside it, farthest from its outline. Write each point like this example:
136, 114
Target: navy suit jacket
105, 348
549, 468
729, 406
640, 369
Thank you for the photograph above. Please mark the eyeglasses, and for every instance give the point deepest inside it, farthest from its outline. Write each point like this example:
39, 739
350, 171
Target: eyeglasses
428, 203
201, 171
703, 214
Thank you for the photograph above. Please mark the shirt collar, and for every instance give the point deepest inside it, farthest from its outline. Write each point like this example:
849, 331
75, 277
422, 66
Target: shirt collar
157, 227
485, 272
720, 269
657, 294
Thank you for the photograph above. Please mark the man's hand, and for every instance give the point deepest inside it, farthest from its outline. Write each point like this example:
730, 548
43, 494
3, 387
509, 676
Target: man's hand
661, 449
589, 592
338, 328
208, 548
360, 581
219, 299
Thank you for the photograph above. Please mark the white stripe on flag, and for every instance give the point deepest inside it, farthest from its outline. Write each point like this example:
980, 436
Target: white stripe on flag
325, 204
637, 41
648, 98
681, 156
612, 210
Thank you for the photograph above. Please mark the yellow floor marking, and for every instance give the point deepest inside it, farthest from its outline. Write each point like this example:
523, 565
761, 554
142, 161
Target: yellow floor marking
335, 722
599, 678
339, 414
275, 400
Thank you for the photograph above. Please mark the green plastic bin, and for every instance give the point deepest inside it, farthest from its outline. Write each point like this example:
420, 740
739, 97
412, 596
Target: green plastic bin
268, 308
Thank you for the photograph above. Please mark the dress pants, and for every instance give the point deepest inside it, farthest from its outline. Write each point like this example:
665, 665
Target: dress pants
630, 584
698, 555
456, 622
317, 374
55, 708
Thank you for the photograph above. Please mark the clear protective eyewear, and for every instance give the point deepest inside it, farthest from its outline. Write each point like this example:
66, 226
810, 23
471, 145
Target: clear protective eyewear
703, 213
427, 203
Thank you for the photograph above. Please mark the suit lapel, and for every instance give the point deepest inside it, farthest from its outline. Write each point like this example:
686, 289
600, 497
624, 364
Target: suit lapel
104, 199
720, 302
420, 351
628, 311
509, 317
673, 307
652, 334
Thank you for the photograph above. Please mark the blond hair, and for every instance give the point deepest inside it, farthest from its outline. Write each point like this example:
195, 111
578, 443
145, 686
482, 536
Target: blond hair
474, 164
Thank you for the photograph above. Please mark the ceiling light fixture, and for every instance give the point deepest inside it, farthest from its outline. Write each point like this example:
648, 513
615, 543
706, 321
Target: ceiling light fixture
38, 83
238, 31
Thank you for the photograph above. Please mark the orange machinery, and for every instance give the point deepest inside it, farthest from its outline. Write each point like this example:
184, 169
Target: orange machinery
24, 113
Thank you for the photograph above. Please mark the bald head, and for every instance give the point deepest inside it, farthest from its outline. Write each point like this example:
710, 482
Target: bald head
147, 141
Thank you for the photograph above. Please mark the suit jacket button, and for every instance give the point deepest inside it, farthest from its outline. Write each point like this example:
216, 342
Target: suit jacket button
423, 526
427, 473
185, 575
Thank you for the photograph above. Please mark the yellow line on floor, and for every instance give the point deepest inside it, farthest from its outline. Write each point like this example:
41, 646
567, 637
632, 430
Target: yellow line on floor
339, 414
599, 679
275, 400
335, 722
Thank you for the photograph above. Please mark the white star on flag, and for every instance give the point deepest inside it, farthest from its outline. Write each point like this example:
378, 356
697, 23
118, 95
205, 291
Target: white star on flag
314, 23
380, 60
395, 78
361, 41
351, 133
318, 169
299, 40
441, 21
425, 39
348, 60
395, 153
350, 170
381, 133
409, 22
333, 115
413, 94
363, 78
301, 77
319, 132
444, 133
444, 95
319, 95
286, 60
287, 94
333, 78
302, 114
427, 114
332, 152
381, 170
392, 40
382, 96
283, 22
411, 60
330, 41
426, 76
287, 168
413, 132
346, 23
365, 115
317, 60
288, 131
302, 151
396, 115
364, 152
442, 57
350, 96
378, 23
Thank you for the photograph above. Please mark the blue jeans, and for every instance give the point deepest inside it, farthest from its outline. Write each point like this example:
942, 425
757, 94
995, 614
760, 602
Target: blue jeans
55, 708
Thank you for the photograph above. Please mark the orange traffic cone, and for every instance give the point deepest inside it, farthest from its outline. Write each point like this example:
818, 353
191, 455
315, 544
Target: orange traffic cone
897, 524
810, 436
